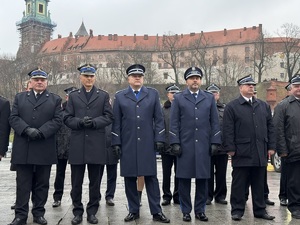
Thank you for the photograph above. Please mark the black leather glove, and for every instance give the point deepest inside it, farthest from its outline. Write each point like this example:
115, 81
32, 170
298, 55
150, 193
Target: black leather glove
88, 123
159, 147
214, 149
117, 151
176, 150
33, 133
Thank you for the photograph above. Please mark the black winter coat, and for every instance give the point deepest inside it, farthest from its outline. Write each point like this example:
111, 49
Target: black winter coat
287, 123
63, 139
248, 131
4, 125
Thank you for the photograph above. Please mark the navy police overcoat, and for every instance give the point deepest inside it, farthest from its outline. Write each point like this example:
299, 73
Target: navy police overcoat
44, 114
194, 124
137, 126
87, 145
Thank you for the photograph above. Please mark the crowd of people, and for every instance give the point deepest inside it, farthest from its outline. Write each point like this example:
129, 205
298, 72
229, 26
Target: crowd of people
193, 131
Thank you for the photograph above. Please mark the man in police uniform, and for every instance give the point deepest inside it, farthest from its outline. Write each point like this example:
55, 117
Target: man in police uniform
4, 125
36, 117
287, 123
138, 129
88, 112
218, 160
63, 145
167, 158
248, 137
194, 130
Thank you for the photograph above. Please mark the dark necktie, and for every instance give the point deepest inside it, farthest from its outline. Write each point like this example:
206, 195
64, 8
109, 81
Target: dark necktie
250, 102
38, 95
136, 94
195, 95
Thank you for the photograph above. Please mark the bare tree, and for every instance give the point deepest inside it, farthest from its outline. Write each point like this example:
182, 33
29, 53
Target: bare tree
117, 64
290, 37
170, 52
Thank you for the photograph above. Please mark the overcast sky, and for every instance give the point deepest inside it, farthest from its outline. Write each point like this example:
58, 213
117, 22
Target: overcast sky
128, 17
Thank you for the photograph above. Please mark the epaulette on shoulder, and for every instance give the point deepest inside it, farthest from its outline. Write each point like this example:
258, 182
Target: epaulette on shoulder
99, 89
54, 94
73, 91
151, 88
120, 91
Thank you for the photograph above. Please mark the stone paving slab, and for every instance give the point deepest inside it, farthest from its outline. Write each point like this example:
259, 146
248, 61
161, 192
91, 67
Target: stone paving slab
114, 215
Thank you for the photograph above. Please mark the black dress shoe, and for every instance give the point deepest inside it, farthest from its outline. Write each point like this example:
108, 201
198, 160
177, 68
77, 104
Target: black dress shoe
269, 202
201, 216
283, 202
110, 202
186, 217
40, 220
265, 216
13, 206
56, 203
165, 202
160, 217
131, 217
17, 221
296, 214
76, 220
208, 202
221, 201
236, 217
176, 202
92, 219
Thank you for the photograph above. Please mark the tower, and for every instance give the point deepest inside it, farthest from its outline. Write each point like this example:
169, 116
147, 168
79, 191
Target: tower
35, 27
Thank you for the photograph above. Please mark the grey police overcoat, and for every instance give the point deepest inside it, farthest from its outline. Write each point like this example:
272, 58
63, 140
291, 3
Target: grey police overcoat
137, 126
44, 114
194, 124
87, 145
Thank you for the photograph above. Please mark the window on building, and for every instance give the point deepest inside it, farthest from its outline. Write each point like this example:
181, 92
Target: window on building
166, 75
281, 75
159, 65
60, 76
247, 49
225, 54
247, 59
65, 67
282, 64
28, 8
182, 64
215, 52
159, 56
65, 58
166, 55
41, 8
165, 65
181, 54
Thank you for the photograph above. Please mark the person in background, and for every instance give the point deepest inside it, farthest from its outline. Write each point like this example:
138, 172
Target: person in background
140, 187
248, 137
194, 137
283, 173
287, 122
137, 133
111, 165
168, 159
4, 126
36, 117
87, 114
217, 188
63, 145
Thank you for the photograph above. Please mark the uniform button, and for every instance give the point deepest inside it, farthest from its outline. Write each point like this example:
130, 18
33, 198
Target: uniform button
196, 128
139, 139
34, 109
138, 128
196, 118
87, 107
138, 116
196, 140
196, 108
86, 135
137, 106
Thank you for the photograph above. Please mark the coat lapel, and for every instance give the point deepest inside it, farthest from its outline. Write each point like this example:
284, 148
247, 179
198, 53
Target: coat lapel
31, 97
130, 94
94, 96
42, 99
143, 93
200, 97
82, 96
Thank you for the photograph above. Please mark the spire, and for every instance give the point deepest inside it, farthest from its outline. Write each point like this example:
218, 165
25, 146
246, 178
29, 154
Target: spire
82, 31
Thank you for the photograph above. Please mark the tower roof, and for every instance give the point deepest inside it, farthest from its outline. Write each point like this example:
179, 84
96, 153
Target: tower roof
82, 31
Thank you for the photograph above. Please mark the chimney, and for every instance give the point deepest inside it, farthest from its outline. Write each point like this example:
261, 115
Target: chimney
91, 33
134, 38
59, 36
99, 37
260, 28
110, 37
254, 27
70, 34
181, 35
145, 36
225, 32
115, 37
245, 28
192, 34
